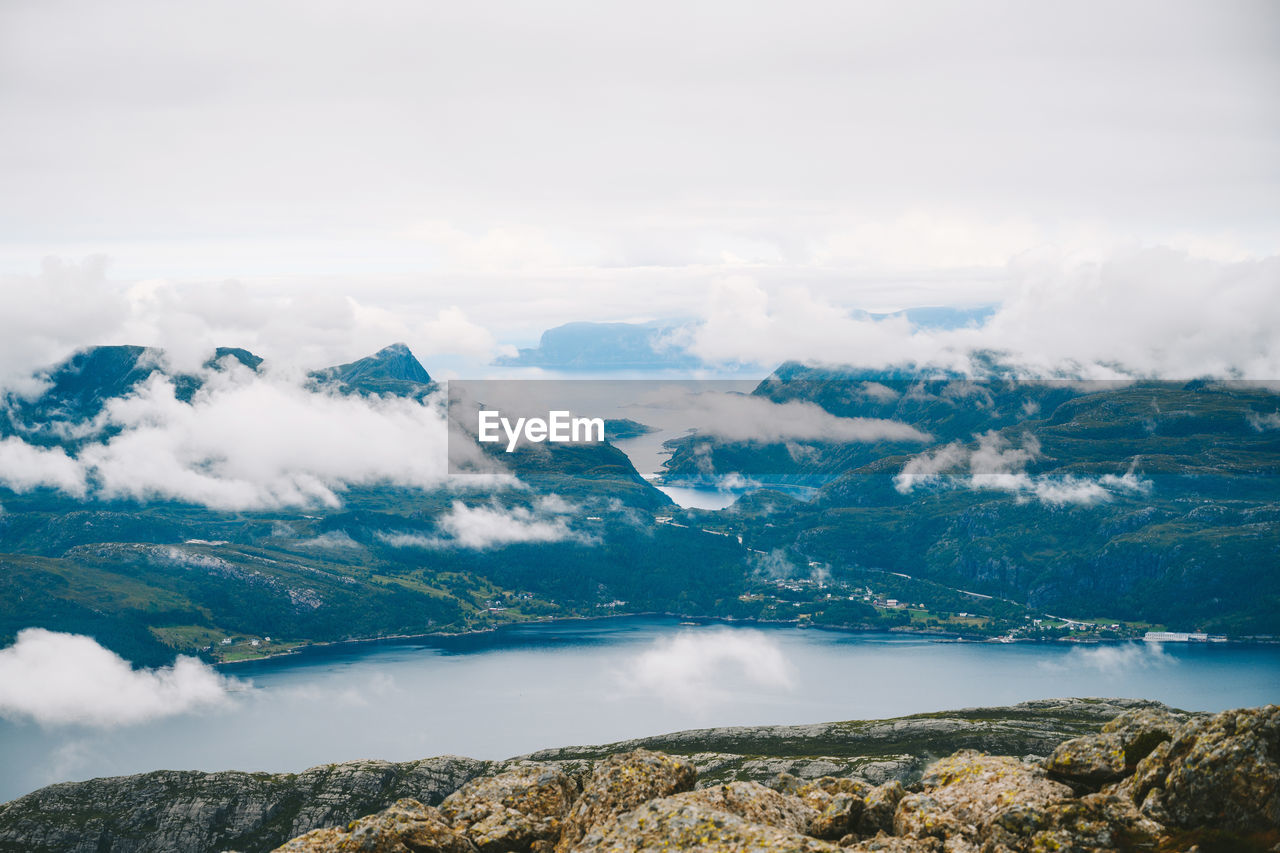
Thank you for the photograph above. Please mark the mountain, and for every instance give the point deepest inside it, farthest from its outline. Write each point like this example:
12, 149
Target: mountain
1088, 775
76, 390
606, 346
664, 344
944, 406
941, 316
1127, 506
1143, 501
153, 578
246, 358
391, 370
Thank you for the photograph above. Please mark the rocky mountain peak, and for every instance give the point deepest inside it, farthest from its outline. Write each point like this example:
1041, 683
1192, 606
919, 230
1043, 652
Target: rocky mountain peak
390, 369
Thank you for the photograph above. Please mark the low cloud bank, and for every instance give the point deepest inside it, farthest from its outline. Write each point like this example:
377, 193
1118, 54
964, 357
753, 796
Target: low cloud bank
493, 525
739, 417
1264, 422
1144, 312
245, 441
1113, 659
1153, 311
60, 679
302, 324
996, 465
24, 467
697, 669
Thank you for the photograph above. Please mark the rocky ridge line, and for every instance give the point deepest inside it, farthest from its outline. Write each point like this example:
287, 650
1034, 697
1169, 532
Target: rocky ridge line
1151, 780
254, 812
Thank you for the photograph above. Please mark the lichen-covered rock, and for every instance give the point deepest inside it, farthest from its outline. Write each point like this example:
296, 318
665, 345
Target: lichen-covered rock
972, 804
512, 810
620, 783
876, 750
923, 816
1215, 785
786, 783
838, 803
1145, 780
1221, 772
755, 803
1089, 762
404, 827
839, 815
832, 785
677, 823
1095, 823
879, 806
882, 843
967, 791
1103, 822
160, 812
1092, 761
195, 812
1141, 730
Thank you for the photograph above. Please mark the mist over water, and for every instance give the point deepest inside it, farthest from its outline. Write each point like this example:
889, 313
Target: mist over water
523, 688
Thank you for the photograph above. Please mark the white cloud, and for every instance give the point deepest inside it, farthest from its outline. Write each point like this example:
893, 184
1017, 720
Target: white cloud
493, 525
991, 459
407, 540
744, 322
878, 392
776, 565
994, 455
760, 135
59, 679
1263, 422
1150, 312
695, 670
1123, 312
995, 465
741, 418
928, 466
501, 248
842, 155
744, 417
47, 315
1113, 660
293, 324
24, 467
244, 441
930, 238
334, 540
253, 442
1128, 482
451, 331
1145, 312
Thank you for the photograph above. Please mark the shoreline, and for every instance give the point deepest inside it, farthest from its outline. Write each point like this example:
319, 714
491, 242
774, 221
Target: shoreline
935, 636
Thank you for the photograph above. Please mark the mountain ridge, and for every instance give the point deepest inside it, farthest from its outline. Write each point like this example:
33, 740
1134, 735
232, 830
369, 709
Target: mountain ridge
197, 812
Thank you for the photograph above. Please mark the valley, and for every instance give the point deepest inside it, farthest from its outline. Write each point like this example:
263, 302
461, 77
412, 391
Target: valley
1105, 510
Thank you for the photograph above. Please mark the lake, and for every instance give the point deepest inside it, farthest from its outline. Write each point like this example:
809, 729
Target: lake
515, 690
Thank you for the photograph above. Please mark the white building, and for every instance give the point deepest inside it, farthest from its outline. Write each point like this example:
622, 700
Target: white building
1174, 637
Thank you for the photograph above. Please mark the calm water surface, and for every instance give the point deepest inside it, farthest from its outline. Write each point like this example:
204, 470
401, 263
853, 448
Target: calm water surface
520, 689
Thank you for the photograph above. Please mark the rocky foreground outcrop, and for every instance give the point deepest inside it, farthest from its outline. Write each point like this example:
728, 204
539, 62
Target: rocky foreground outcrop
1151, 780
1052, 775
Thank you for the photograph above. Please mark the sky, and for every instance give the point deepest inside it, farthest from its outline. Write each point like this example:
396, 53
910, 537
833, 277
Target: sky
314, 180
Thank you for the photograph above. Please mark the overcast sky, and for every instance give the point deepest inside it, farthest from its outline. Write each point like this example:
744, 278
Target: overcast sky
319, 178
